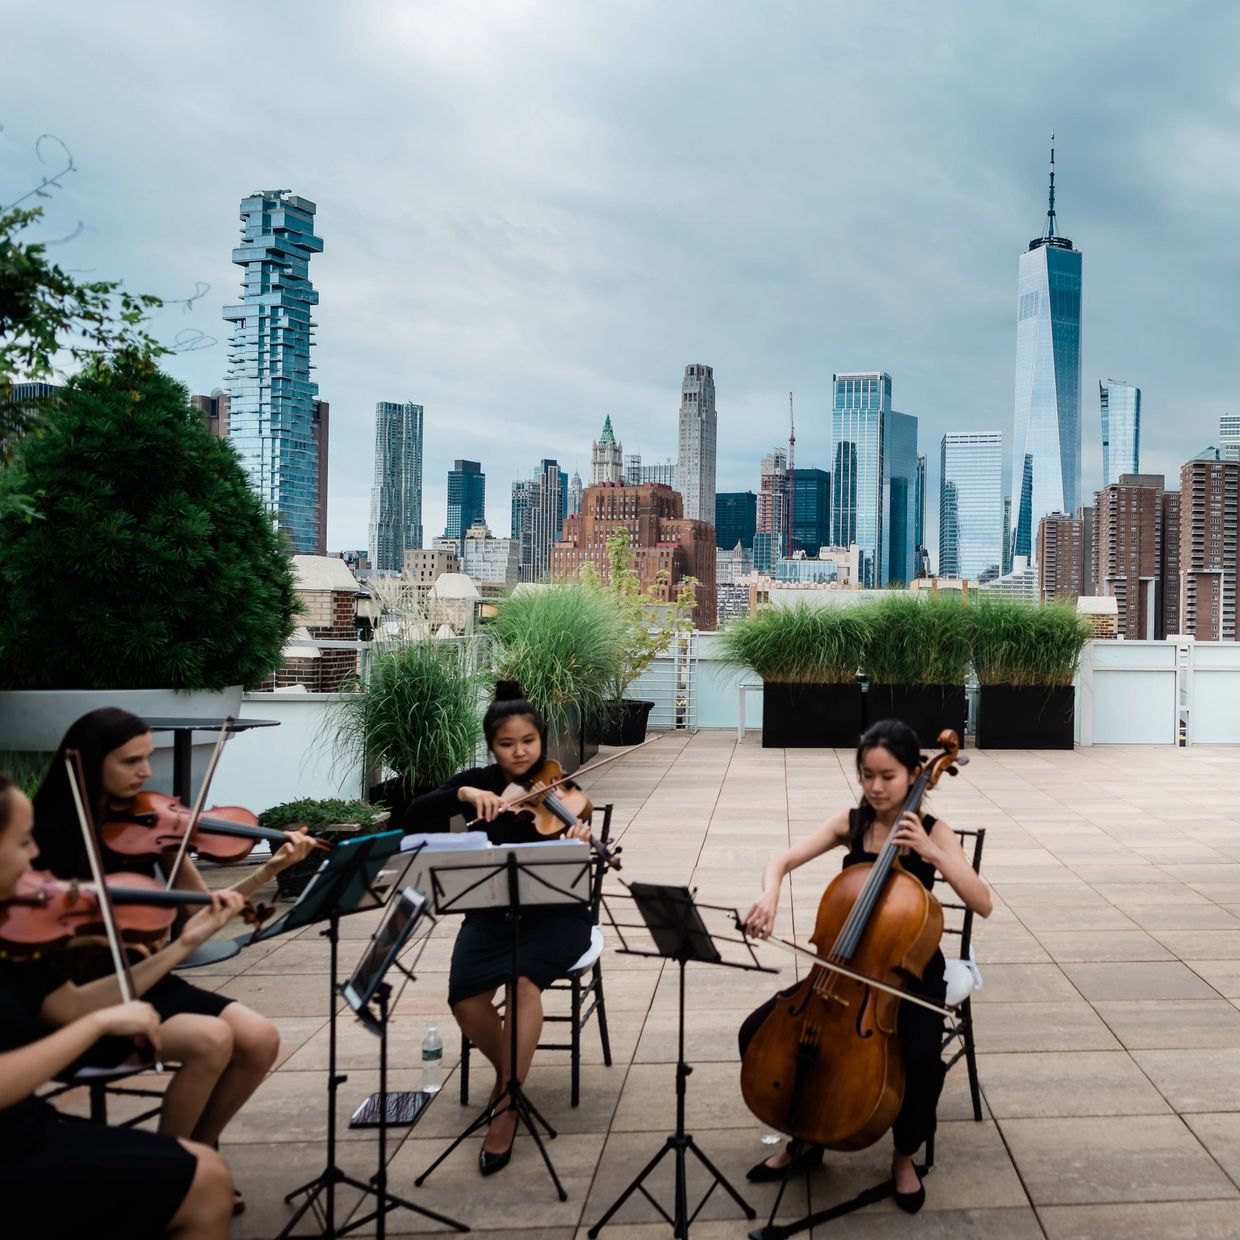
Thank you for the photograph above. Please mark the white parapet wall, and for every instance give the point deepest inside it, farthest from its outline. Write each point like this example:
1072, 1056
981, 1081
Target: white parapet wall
266, 766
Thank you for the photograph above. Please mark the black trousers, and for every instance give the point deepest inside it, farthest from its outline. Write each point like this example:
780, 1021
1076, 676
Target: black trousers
921, 1036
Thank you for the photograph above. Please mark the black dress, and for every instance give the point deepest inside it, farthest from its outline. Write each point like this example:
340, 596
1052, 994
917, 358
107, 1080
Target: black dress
920, 1030
551, 939
63, 1177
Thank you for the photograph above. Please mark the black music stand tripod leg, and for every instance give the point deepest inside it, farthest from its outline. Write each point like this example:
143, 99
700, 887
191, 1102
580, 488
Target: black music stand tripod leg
678, 931
524, 1110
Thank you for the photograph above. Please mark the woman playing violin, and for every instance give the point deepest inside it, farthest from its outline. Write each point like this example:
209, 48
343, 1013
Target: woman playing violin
59, 1178
224, 1048
552, 939
888, 760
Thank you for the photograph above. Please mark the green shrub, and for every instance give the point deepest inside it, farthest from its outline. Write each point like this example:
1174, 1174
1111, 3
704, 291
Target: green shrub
152, 563
918, 641
417, 714
800, 644
318, 815
565, 646
1016, 643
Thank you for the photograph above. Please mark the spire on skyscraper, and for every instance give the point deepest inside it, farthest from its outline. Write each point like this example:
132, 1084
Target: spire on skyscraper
1050, 210
608, 436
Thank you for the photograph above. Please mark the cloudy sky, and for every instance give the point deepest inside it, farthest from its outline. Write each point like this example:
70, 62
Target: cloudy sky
537, 213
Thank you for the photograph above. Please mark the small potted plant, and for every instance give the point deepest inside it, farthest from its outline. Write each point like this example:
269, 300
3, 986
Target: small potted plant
808, 658
328, 819
653, 619
916, 662
1026, 657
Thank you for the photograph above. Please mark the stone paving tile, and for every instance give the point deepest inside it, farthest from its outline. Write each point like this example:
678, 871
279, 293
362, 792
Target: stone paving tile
1138, 980
1145, 1158
1180, 1220
1201, 1079
1054, 1084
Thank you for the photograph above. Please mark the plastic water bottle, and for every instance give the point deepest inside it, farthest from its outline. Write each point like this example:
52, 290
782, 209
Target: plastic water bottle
432, 1061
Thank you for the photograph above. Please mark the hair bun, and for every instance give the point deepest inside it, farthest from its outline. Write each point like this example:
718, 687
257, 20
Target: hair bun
508, 691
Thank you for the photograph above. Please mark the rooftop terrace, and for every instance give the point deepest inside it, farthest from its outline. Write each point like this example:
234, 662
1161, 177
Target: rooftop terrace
1107, 1030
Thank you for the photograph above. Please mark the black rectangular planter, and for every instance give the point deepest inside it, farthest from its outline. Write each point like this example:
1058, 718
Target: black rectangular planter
1026, 717
810, 716
927, 709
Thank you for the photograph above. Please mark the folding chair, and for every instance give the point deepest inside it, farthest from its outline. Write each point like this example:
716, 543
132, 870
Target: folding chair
963, 978
583, 984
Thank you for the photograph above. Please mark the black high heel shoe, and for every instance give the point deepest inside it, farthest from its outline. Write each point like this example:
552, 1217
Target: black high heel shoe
805, 1157
489, 1164
910, 1203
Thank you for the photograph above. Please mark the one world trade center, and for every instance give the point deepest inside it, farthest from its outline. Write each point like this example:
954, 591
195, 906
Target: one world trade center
1046, 438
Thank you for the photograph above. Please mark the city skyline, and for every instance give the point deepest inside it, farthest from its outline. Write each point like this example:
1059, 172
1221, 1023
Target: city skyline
581, 262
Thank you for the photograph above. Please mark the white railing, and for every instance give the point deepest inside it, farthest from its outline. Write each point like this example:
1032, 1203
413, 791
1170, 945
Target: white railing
1171, 692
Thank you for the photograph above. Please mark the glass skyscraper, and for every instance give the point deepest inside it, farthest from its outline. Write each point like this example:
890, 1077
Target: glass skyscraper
900, 498
810, 504
467, 495
1047, 415
859, 420
874, 478
396, 498
1121, 430
271, 395
971, 505
736, 519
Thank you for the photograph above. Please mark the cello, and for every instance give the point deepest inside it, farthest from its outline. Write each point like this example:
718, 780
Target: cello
825, 1066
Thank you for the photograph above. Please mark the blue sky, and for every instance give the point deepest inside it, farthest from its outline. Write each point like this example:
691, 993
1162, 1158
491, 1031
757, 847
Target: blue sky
536, 214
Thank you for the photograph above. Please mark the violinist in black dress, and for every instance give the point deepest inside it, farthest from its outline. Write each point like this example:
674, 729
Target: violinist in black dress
552, 939
888, 759
224, 1048
65, 1177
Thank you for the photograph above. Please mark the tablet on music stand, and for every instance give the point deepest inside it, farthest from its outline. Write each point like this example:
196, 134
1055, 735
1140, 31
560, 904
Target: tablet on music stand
403, 914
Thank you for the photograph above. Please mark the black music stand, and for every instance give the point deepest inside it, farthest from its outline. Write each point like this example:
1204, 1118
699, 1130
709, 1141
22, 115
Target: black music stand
498, 885
353, 879
679, 934
368, 985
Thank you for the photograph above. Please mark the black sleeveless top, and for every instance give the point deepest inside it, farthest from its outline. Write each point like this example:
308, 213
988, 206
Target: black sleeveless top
931, 984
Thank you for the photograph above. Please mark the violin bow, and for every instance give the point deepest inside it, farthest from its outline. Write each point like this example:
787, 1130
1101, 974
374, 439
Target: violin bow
863, 978
77, 786
199, 801
585, 770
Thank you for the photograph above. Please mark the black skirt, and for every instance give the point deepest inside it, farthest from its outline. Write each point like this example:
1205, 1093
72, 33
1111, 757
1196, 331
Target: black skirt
170, 996
551, 941
119, 1181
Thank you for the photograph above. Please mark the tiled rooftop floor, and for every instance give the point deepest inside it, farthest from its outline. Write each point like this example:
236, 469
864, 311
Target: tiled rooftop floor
1108, 1029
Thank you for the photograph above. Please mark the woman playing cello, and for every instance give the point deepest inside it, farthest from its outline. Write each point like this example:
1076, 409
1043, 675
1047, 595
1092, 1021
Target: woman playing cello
62, 1178
888, 761
552, 938
224, 1048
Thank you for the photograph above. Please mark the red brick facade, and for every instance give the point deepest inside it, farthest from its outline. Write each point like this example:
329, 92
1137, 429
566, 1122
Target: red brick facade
663, 540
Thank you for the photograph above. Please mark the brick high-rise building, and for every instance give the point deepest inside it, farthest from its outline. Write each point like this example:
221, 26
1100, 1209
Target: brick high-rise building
1059, 557
1209, 508
1169, 568
1128, 553
663, 540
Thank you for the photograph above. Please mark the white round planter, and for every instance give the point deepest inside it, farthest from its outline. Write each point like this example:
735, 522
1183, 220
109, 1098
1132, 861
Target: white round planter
35, 720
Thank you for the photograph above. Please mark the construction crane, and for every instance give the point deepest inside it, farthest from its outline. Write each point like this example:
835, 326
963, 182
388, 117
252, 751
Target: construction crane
790, 504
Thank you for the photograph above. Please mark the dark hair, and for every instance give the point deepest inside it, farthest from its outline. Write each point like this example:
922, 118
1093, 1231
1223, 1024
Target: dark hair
899, 740
6, 802
511, 703
56, 831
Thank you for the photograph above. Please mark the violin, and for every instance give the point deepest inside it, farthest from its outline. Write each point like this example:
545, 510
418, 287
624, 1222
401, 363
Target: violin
154, 823
45, 913
552, 809
825, 1066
